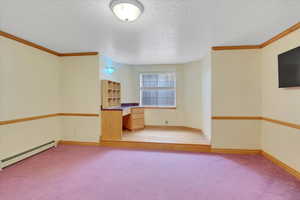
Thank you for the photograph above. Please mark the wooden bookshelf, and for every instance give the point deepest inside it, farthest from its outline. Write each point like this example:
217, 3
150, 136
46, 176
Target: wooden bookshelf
111, 93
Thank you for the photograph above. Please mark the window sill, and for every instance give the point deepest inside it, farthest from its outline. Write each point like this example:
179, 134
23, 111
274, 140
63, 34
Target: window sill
159, 107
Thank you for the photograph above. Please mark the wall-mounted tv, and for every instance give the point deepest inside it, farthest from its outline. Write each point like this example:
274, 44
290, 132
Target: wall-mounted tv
289, 68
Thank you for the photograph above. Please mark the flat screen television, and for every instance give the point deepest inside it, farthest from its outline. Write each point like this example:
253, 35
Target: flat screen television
289, 68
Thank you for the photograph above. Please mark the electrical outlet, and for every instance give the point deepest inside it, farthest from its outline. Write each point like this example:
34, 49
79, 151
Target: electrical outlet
166, 122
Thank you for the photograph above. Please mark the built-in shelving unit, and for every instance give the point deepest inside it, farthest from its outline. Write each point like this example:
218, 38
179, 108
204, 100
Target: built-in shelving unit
111, 93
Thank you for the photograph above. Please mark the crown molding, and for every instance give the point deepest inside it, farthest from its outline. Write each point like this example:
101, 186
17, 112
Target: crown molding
220, 48
28, 43
262, 45
281, 35
215, 48
34, 45
79, 54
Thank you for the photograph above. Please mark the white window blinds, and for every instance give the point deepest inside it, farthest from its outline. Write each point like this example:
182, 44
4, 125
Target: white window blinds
158, 89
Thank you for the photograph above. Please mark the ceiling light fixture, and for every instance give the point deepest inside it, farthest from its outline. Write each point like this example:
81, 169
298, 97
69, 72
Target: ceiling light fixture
126, 10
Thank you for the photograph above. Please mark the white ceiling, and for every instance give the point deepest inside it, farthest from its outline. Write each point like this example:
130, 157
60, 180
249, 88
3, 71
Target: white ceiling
169, 31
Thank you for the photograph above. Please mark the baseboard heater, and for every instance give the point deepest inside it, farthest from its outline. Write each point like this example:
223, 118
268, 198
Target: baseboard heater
21, 156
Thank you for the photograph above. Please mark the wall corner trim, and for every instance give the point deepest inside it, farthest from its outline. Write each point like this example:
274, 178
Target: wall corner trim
24, 119
267, 119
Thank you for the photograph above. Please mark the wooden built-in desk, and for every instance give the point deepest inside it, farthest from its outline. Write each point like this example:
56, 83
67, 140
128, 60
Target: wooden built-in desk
114, 119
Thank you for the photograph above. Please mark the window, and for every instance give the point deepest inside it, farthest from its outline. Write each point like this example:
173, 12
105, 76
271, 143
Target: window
158, 89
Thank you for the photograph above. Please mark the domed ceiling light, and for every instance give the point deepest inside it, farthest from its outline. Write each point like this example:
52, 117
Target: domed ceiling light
126, 10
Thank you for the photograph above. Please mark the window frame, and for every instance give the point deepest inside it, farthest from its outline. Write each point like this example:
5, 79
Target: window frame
159, 88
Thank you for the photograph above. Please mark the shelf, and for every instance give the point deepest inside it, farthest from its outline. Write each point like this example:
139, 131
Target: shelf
111, 93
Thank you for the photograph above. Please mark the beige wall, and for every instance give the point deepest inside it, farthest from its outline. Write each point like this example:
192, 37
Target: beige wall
33, 83
29, 86
236, 91
80, 93
29, 81
236, 83
206, 96
192, 94
245, 83
280, 104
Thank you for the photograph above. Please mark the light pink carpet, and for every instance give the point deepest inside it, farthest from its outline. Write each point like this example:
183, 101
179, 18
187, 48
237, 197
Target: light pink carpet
94, 173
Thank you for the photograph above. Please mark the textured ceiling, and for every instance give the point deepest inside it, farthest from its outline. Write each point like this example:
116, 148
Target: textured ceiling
169, 31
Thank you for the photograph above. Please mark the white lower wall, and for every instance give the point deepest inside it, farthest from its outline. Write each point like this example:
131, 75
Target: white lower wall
157, 117
20, 137
83, 129
236, 134
282, 142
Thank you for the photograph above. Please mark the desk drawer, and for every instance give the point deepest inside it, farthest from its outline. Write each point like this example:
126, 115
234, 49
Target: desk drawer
137, 110
137, 116
137, 123
133, 124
